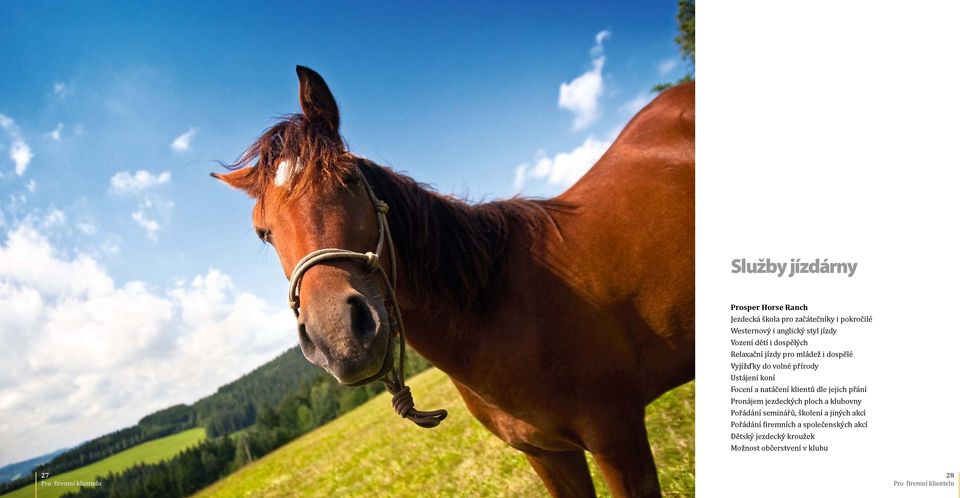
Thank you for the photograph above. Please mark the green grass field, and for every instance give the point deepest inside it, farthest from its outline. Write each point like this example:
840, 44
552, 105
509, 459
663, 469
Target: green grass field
372, 452
149, 452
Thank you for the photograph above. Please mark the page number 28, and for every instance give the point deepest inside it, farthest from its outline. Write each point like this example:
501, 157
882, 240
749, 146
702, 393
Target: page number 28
951, 475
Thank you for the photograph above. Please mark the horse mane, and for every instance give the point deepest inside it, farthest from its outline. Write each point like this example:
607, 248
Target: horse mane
451, 250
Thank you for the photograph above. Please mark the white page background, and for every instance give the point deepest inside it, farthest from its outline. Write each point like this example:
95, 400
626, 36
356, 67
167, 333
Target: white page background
831, 130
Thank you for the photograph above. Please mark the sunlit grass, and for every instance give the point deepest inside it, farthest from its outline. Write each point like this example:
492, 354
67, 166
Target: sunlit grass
372, 452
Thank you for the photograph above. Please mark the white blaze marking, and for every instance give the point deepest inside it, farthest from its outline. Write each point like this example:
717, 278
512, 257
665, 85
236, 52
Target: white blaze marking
283, 172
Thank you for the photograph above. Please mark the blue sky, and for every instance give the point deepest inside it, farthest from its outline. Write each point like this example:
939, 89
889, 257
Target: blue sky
131, 280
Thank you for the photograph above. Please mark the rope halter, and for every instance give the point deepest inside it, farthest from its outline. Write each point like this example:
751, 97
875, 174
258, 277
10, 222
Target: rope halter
392, 378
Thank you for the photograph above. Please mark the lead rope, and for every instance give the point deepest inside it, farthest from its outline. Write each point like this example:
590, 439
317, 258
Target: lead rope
393, 378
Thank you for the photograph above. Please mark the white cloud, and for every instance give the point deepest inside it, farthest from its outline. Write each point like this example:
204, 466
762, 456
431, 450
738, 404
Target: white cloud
124, 182
55, 134
182, 142
94, 355
110, 245
667, 66
30, 259
634, 105
150, 225
153, 210
16, 202
86, 227
598, 39
563, 169
60, 89
150, 209
32, 186
54, 218
581, 95
20, 152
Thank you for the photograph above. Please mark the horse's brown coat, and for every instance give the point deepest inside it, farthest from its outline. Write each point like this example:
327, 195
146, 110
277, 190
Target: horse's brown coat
588, 306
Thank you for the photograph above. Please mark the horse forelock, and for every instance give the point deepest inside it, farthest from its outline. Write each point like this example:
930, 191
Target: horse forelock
294, 154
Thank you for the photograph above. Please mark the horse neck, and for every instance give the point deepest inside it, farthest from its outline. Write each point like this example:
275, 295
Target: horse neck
450, 259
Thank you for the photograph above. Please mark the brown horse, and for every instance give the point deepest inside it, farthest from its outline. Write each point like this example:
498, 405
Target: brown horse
557, 320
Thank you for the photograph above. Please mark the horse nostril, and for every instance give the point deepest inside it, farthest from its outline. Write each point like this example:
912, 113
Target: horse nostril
306, 344
361, 319
311, 350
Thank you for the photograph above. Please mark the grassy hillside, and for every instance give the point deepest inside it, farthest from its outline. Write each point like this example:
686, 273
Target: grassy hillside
149, 452
372, 452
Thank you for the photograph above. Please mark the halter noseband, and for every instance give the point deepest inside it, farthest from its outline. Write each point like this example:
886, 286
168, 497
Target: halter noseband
391, 377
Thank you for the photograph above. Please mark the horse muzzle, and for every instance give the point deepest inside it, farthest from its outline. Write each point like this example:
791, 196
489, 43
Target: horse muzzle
350, 339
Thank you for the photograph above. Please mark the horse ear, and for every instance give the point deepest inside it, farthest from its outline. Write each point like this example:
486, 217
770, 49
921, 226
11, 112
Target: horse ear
242, 179
316, 100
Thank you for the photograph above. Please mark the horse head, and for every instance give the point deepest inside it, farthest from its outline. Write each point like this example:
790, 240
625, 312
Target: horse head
311, 194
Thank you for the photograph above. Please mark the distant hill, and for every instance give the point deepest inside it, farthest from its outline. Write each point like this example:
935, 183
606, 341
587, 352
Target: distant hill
20, 469
233, 407
370, 452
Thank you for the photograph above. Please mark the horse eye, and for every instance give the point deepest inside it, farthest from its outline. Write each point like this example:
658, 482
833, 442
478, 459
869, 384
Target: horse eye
264, 234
